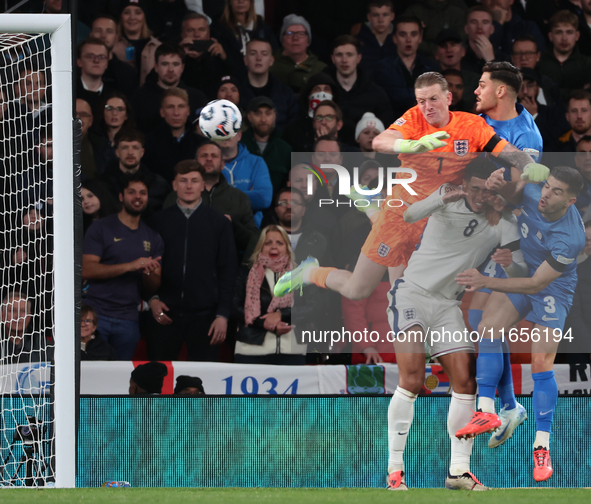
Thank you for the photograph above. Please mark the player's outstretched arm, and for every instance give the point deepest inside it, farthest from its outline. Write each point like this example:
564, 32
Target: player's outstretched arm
424, 208
384, 142
543, 277
533, 172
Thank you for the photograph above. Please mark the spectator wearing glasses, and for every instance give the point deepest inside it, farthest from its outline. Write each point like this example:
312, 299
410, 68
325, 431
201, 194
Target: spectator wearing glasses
526, 54
294, 64
93, 59
92, 346
115, 115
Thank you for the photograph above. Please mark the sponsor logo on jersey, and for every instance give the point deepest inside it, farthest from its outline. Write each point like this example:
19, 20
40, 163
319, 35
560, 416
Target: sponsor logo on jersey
564, 260
399, 121
461, 147
409, 313
540, 236
383, 250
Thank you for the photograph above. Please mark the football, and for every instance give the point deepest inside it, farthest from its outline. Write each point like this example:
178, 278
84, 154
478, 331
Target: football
220, 120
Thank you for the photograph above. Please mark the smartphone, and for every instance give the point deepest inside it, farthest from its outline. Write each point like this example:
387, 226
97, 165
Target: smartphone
130, 53
200, 45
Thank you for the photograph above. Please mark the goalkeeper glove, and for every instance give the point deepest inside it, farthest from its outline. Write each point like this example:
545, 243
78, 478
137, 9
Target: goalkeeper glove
423, 144
535, 172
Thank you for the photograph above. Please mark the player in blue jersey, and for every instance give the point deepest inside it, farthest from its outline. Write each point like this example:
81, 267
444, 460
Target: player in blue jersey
496, 97
552, 236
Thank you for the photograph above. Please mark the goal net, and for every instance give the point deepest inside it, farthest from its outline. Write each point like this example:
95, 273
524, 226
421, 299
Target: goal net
36, 231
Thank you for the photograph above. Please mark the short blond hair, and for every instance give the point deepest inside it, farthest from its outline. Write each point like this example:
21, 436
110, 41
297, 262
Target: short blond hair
175, 91
430, 79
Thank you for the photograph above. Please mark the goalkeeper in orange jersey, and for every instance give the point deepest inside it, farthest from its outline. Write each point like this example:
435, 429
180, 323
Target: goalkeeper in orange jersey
447, 138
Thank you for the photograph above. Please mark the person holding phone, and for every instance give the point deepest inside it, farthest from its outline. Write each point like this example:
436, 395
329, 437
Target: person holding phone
206, 61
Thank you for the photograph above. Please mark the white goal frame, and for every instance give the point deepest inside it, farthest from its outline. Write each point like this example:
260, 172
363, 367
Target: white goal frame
59, 28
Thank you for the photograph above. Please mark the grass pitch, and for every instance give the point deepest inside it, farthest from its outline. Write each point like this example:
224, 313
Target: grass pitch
288, 496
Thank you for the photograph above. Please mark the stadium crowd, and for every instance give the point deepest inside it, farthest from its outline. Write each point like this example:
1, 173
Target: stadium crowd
184, 238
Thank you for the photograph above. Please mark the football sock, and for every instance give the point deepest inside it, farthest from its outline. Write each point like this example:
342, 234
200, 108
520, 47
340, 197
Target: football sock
317, 276
489, 369
506, 392
400, 415
545, 397
474, 318
460, 413
542, 439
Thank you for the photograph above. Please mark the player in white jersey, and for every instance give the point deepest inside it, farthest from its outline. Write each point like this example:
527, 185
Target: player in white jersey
425, 307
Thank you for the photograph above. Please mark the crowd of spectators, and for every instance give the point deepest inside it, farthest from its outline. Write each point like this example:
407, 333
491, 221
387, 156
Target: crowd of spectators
169, 217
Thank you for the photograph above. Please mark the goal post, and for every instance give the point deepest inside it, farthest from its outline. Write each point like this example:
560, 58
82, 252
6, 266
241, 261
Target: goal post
62, 295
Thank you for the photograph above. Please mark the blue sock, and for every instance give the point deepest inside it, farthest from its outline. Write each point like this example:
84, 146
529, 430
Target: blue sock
506, 392
489, 367
474, 318
545, 398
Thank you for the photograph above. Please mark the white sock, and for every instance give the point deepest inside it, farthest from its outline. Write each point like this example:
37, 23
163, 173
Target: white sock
306, 274
400, 415
542, 439
460, 413
486, 404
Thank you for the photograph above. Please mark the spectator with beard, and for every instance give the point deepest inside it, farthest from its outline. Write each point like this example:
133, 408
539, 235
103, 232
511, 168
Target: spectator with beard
227, 200
259, 82
328, 122
205, 68
199, 265
129, 148
167, 74
228, 89
358, 93
564, 63
174, 140
119, 74
578, 115
300, 133
249, 173
262, 139
449, 54
122, 255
